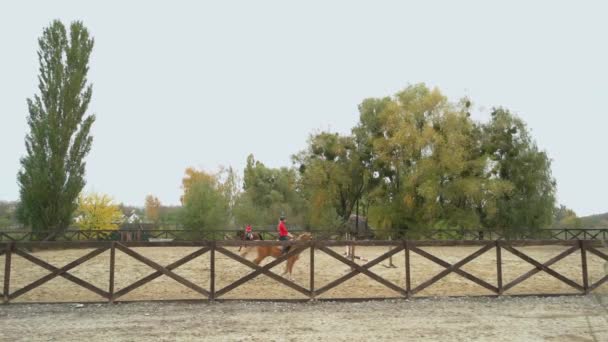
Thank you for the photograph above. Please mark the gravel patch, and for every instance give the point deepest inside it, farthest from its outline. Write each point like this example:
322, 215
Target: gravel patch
445, 319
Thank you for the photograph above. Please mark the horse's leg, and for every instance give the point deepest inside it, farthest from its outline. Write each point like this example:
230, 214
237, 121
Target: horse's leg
286, 267
259, 259
289, 267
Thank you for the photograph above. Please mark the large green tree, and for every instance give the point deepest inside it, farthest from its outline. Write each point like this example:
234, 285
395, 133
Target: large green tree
516, 159
333, 177
268, 193
53, 169
429, 168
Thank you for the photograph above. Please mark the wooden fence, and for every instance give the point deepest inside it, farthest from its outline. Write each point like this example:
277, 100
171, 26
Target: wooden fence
269, 234
211, 293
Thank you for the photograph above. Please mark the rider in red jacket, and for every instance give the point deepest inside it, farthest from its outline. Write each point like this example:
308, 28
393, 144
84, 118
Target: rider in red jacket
283, 233
248, 234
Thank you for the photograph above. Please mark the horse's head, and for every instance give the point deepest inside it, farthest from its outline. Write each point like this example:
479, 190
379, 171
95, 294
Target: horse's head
306, 236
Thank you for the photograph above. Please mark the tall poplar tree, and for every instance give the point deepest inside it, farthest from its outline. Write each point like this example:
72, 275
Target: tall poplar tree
53, 169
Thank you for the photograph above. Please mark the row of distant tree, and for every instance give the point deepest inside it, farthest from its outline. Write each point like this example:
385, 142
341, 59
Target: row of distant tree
414, 161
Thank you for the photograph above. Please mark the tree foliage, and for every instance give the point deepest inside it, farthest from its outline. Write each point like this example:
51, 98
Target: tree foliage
205, 205
53, 169
333, 176
418, 161
152, 208
427, 160
268, 193
97, 212
517, 160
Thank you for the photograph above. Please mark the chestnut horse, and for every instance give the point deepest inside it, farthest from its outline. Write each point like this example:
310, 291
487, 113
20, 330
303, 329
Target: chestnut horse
277, 251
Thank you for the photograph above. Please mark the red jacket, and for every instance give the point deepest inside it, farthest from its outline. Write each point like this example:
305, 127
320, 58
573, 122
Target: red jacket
248, 229
282, 229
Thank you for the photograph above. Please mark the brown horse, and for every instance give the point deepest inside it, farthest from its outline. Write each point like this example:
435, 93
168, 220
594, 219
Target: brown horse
255, 236
277, 251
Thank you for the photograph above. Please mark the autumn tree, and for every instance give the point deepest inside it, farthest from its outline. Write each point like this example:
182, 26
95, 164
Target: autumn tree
428, 169
205, 205
53, 169
97, 212
152, 208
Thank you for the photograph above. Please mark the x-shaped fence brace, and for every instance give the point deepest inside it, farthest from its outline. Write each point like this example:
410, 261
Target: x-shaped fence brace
541, 267
167, 271
56, 272
456, 268
296, 249
356, 269
605, 277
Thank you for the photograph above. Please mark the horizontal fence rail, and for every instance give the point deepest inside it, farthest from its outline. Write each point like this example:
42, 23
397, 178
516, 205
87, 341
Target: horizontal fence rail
214, 248
269, 234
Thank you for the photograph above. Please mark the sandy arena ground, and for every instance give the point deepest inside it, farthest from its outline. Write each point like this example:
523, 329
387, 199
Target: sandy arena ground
553, 319
128, 270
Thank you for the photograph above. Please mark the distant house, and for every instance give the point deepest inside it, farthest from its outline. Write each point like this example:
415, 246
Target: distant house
133, 218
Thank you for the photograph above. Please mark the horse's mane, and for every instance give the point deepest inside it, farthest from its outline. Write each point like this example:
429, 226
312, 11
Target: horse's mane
304, 236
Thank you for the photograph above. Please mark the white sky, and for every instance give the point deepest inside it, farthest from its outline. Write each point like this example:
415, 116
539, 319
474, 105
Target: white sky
180, 84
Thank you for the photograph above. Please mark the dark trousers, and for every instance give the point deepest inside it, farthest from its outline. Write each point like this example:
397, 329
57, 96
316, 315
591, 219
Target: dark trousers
285, 248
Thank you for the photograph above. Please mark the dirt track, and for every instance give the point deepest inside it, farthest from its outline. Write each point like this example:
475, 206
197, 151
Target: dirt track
505, 319
128, 270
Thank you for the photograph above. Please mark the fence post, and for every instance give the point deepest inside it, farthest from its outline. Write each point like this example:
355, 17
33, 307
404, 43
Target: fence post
498, 268
212, 272
408, 282
584, 266
7, 270
112, 265
312, 270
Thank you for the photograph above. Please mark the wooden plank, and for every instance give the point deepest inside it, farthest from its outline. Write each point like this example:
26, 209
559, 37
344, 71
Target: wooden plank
361, 269
212, 273
312, 271
597, 252
164, 270
545, 268
408, 280
584, 267
157, 274
262, 270
59, 272
499, 269
260, 243
363, 243
59, 244
454, 268
7, 271
131, 244
537, 269
112, 266
598, 283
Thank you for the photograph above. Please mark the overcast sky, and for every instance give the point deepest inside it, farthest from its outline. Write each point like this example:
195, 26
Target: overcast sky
178, 84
